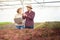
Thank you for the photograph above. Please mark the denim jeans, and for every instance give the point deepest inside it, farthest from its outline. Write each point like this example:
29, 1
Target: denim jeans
20, 27
29, 27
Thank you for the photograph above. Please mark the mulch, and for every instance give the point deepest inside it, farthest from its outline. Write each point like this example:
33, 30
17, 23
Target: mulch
30, 34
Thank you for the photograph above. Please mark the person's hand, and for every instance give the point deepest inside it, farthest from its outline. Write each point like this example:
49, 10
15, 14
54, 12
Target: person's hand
24, 15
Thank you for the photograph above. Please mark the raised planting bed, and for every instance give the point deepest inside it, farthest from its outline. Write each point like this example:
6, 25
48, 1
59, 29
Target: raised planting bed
30, 34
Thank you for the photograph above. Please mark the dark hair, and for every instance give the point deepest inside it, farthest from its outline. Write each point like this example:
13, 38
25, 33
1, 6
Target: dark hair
18, 10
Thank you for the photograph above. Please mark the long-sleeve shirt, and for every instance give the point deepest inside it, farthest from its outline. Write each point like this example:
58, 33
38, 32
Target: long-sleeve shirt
29, 18
22, 20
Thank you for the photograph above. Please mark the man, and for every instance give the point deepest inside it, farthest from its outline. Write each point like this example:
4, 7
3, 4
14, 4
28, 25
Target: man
29, 16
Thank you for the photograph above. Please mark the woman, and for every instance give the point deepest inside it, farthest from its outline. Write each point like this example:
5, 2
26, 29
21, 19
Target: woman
19, 21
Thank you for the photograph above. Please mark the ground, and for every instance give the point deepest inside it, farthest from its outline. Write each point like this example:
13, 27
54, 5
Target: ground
30, 34
8, 31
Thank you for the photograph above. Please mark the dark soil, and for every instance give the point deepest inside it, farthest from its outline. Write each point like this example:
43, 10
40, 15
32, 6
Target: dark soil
30, 34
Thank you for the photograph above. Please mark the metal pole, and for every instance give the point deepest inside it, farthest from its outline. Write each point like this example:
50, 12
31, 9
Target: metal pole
22, 3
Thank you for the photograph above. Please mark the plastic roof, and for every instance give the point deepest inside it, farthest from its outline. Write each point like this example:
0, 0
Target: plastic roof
45, 3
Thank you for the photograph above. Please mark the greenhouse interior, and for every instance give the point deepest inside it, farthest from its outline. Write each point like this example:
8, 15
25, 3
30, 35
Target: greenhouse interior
29, 19
48, 10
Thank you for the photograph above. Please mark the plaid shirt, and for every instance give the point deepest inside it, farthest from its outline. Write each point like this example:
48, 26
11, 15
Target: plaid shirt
29, 19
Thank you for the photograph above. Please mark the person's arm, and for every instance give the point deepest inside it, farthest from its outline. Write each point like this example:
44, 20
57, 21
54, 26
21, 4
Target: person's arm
31, 16
23, 16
